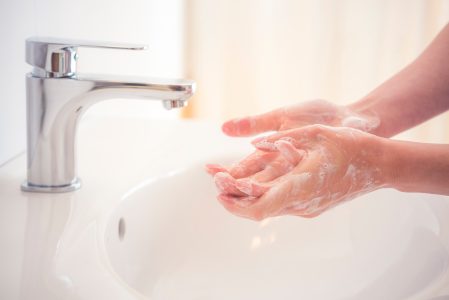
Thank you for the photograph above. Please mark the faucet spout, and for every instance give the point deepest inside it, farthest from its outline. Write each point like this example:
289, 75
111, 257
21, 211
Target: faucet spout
101, 87
54, 108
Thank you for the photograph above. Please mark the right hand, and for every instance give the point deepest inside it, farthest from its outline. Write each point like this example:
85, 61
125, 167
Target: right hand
299, 115
324, 166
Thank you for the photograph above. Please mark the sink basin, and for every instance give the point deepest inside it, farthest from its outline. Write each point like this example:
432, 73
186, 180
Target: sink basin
146, 225
170, 239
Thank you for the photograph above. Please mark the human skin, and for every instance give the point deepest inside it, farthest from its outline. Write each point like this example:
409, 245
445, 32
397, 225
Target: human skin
417, 93
285, 174
324, 166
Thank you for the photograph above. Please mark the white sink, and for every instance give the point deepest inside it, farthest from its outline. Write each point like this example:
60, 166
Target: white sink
170, 239
146, 225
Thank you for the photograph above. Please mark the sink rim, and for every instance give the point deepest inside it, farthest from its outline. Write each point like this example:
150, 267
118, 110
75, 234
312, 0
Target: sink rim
153, 181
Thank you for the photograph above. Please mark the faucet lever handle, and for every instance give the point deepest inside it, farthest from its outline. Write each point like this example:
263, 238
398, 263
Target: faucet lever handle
52, 57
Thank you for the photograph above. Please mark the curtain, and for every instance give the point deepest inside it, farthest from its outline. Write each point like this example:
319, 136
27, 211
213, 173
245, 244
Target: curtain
250, 56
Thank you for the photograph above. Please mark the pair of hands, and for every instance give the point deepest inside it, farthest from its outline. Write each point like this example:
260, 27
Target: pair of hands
321, 155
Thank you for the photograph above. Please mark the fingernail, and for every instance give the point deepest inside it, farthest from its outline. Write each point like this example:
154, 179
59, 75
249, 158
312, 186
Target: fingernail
212, 169
251, 188
257, 140
264, 145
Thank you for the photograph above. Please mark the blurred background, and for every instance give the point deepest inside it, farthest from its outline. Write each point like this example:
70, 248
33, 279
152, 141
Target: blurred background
255, 55
247, 56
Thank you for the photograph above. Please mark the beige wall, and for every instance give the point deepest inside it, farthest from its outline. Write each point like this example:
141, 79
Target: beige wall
250, 56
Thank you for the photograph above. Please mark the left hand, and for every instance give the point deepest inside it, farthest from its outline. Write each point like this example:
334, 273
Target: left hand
303, 114
302, 172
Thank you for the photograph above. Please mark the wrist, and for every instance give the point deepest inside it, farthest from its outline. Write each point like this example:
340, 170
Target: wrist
380, 160
388, 162
416, 167
362, 116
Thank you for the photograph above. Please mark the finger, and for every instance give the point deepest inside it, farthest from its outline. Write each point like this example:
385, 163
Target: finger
258, 208
276, 201
273, 202
238, 207
282, 195
233, 201
278, 167
252, 164
290, 157
251, 188
213, 169
299, 137
226, 184
289, 152
268, 205
254, 124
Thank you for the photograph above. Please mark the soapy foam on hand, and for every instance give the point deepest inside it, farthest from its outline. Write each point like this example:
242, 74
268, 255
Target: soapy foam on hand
361, 123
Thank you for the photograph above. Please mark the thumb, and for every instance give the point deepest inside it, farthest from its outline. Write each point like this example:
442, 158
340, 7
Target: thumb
253, 125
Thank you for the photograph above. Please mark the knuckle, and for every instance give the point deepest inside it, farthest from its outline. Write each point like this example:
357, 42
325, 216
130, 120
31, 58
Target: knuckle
318, 128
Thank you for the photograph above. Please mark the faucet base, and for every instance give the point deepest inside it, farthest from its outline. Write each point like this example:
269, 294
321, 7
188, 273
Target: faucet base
27, 187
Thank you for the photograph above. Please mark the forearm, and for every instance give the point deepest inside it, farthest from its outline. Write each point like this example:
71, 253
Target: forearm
414, 95
416, 167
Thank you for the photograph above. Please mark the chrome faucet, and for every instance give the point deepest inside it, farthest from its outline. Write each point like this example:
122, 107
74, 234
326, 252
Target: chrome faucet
57, 96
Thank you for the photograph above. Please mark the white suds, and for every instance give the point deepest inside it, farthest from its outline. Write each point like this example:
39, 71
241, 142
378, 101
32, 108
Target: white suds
360, 123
